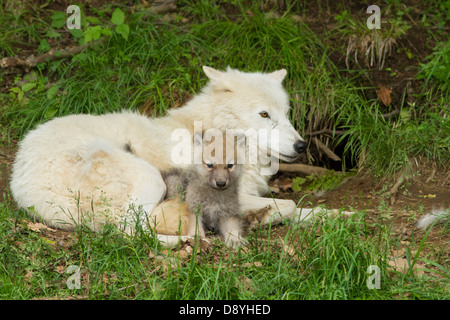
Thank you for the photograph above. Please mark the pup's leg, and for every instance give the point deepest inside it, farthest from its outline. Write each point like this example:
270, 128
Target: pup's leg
231, 230
196, 226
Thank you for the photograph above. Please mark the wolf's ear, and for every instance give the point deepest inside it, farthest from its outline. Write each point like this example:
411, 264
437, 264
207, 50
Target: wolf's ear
219, 84
279, 74
212, 74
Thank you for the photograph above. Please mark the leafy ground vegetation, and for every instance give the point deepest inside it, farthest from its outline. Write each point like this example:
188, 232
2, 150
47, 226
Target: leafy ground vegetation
373, 105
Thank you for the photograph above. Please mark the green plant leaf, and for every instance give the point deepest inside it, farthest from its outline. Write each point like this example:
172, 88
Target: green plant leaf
50, 112
123, 30
92, 33
51, 92
76, 33
28, 86
51, 33
19, 92
43, 45
93, 20
118, 17
297, 183
59, 19
405, 114
106, 32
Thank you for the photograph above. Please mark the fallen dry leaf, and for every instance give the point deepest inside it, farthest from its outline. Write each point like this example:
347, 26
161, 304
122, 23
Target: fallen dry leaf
285, 184
38, 227
257, 264
183, 254
400, 262
61, 269
169, 263
203, 245
274, 189
401, 265
290, 250
28, 275
189, 250
274, 186
384, 94
245, 283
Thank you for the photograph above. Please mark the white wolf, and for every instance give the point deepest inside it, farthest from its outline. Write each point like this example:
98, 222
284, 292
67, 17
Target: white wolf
438, 216
79, 168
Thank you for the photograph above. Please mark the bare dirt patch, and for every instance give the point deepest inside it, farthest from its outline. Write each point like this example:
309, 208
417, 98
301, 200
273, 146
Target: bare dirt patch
427, 188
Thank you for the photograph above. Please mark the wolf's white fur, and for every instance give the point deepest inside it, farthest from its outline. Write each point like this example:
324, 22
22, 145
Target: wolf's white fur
442, 215
76, 168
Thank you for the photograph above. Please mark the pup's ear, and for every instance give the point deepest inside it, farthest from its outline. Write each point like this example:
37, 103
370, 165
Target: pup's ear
212, 74
279, 74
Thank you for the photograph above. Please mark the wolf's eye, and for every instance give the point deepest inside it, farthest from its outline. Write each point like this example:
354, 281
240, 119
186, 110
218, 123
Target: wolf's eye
230, 165
264, 114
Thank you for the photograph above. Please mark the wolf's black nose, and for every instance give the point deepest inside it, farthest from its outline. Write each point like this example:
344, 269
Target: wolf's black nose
221, 184
300, 146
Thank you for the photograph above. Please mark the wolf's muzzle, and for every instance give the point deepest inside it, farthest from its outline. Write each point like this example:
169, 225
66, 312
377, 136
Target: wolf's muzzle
300, 146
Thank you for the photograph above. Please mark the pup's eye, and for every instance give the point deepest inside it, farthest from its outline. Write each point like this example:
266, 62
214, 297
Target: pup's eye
264, 114
209, 165
230, 165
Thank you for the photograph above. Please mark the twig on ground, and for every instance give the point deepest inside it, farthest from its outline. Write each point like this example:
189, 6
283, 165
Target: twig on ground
326, 150
433, 173
445, 180
32, 61
325, 130
395, 187
390, 114
167, 5
302, 168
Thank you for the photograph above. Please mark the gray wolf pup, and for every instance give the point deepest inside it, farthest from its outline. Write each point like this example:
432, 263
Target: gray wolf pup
211, 189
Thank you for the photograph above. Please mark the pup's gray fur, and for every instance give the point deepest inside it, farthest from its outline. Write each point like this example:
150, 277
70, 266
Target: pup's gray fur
211, 191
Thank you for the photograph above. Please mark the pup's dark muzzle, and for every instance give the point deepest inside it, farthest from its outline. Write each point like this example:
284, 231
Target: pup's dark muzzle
221, 184
300, 146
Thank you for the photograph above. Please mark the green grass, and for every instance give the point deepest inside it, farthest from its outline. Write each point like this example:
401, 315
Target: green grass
386, 149
160, 62
436, 74
328, 260
158, 67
